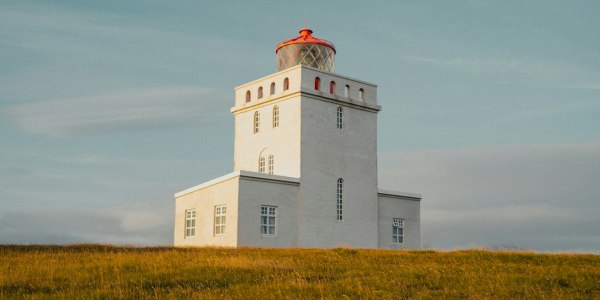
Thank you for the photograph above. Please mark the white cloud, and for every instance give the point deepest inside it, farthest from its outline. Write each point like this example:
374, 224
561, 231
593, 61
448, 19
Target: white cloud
116, 225
137, 108
532, 196
140, 221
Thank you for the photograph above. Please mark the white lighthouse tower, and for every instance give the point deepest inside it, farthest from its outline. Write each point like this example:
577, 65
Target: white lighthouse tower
305, 165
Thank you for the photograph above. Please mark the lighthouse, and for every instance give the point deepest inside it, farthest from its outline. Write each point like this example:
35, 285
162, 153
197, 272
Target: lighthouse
304, 165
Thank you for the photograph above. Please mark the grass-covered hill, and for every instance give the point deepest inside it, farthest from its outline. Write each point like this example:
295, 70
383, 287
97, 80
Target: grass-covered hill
97, 271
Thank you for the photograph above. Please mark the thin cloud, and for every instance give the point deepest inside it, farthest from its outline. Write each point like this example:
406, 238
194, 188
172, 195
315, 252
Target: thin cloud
115, 37
63, 226
520, 195
141, 221
133, 109
539, 74
574, 106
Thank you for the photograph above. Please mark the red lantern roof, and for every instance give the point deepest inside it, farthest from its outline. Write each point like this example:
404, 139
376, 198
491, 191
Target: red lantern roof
305, 38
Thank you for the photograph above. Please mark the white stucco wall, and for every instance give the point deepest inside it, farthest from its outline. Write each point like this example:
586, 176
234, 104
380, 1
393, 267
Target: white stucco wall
293, 74
310, 153
407, 208
221, 191
283, 142
261, 189
243, 193
308, 85
329, 153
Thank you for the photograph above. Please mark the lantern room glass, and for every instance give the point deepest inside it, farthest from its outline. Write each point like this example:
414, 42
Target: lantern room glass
312, 55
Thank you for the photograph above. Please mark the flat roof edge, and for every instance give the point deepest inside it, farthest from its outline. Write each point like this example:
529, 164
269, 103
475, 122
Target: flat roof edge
269, 177
290, 69
207, 183
341, 101
241, 174
397, 194
339, 75
243, 85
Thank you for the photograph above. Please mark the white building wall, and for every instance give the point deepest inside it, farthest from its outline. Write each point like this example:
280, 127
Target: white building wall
293, 74
329, 153
283, 142
312, 153
407, 208
308, 85
268, 190
221, 191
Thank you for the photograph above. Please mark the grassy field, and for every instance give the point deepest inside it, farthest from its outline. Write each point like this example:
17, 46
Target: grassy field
96, 271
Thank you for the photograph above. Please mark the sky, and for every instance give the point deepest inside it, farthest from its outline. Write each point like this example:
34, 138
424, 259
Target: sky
491, 110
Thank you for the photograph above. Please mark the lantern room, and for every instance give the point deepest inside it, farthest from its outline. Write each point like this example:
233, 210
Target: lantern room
306, 50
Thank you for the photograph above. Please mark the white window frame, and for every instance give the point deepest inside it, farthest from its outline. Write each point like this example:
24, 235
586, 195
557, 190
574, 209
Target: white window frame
340, 118
275, 116
339, 200
256, 122
268, 220
220, 219
398, 231
261, 164
271, 164
190, 223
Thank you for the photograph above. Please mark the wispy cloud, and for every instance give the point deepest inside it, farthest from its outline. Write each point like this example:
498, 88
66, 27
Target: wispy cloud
132, 109
61, 226
521, 195
59, 52
118, 37
531, 73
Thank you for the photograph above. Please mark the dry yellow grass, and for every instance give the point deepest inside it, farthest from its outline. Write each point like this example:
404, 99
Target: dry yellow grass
97, 271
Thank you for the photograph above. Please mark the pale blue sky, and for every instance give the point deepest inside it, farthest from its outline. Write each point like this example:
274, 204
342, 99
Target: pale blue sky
491, 110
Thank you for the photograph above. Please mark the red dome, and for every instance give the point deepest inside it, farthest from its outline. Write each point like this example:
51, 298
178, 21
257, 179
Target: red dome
305, 38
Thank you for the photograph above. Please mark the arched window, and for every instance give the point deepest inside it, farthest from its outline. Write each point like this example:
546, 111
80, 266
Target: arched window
256, 122
286, 84
332, 87
261, 164
347, 91
275, 116
272, 88
317, 83
340, 117
340, 187
260, 92
247, 96
271, 164
361, 95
